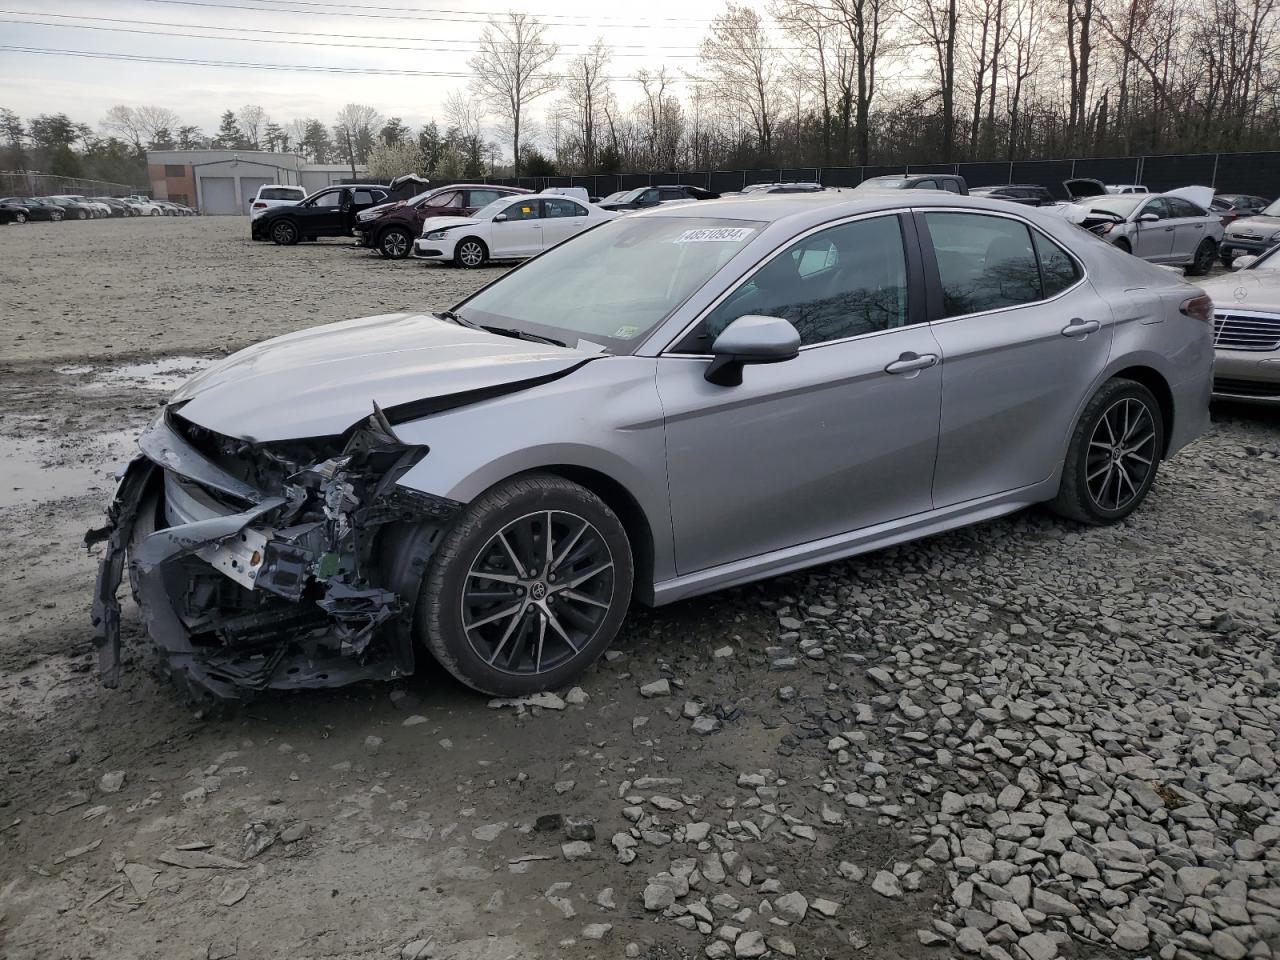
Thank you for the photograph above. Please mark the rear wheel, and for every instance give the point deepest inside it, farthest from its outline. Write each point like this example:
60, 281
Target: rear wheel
1114, 454
527, 588
155, 213
1202, 263
284, 233
395, 243
471, 253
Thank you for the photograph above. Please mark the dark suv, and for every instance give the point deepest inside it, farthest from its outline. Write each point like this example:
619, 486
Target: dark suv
391, 228
644, 197
330, 212
1027, 194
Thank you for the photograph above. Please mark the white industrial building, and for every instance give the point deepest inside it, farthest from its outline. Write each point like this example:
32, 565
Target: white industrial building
222, 182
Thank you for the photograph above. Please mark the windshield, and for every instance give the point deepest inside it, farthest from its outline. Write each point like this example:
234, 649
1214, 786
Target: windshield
1119, 206
651, 265
1271, 210
611, 198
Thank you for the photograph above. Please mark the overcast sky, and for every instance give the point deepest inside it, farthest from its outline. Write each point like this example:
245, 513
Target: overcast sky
437, 36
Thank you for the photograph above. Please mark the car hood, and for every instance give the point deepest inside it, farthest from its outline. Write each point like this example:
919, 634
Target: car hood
436, 223
1080, 187
1254, 226
1200, 196
319, 382
373, 213
1245, 290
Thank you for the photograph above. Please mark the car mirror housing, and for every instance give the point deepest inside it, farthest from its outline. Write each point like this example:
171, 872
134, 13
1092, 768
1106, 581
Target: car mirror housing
1148, 218
1239, 263
751, 339
500, 218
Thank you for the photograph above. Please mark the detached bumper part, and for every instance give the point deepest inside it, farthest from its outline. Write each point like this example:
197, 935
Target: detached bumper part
249, 590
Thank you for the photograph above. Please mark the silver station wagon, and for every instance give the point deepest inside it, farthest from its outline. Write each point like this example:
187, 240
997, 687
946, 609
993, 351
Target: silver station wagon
676, 401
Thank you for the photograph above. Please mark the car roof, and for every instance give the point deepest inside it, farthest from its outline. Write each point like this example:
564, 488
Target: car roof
817, 208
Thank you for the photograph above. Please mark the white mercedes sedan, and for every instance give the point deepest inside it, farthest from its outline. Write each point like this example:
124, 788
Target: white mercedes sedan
513, 228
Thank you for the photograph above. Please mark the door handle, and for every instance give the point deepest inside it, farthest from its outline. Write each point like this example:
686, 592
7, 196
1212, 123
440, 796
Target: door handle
1081, 328
1168, 229
912, 362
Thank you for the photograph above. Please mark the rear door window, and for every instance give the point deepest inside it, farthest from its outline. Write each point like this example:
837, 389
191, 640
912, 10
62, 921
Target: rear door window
925, 185
482, 198
984, 262
951, 186
1058, 269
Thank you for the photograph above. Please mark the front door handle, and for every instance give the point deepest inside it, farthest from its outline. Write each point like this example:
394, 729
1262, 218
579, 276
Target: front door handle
912, 362
1081, 328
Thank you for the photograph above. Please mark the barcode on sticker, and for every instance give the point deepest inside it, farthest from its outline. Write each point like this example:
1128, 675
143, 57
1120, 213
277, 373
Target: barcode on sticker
715, 235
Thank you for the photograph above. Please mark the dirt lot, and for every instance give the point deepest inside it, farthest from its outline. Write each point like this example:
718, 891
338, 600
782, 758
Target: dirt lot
1019, 741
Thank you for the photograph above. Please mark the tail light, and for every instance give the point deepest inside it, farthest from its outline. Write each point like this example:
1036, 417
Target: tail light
259, 205
1198, 308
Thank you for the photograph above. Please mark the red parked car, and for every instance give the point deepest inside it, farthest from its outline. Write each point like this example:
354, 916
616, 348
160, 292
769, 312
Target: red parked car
391, 228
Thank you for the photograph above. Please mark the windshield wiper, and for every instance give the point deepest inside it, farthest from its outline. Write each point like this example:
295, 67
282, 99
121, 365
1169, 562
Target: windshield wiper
523, 335
450, 315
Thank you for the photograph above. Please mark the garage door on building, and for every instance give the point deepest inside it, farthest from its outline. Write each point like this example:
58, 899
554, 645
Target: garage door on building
249, 189
218, 197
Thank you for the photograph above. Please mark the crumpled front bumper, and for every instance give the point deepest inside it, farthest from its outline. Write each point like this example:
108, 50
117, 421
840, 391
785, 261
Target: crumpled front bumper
318, 625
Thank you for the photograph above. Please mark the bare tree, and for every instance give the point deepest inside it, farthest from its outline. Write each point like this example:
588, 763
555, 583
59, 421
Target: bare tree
936, 22
510, 70
586, 89
252, 119
354, 132
121, 122
741, 62
466, 117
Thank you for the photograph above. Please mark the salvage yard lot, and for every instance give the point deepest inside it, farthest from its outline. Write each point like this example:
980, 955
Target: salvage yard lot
1024, 738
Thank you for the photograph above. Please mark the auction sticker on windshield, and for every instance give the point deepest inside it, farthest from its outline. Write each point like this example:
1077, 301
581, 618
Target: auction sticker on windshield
715, 235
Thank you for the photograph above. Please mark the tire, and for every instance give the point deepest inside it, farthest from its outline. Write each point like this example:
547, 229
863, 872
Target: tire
471, 253
19, 218
155, 213
82, 214
527, 651
1202, 262
395, 243
1088, 493
284, 233
1124, 245
56, 217
1226, 258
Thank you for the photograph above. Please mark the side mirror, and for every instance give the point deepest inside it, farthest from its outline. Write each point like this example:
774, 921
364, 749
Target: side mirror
1148, 218
750, 339
1239, 263
500, 218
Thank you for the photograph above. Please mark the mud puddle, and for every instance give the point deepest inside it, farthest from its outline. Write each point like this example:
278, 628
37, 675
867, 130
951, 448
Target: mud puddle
163, 376
40, 469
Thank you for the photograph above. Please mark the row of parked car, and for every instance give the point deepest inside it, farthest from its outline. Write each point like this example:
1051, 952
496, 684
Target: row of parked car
76, 207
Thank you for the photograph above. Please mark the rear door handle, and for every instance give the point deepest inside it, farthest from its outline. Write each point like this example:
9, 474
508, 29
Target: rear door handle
912, 362
1081, 328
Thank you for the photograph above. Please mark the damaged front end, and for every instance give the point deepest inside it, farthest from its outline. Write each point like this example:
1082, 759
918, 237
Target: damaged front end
279, 565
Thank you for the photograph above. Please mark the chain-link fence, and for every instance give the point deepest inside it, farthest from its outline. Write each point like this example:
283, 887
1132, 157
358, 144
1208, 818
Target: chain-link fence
22, 184
1251, 173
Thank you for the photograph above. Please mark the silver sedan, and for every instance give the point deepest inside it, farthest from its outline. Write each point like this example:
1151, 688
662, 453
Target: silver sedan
671, 403
1158, 228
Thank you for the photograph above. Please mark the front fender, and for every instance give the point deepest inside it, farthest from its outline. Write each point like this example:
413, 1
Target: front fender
605, 416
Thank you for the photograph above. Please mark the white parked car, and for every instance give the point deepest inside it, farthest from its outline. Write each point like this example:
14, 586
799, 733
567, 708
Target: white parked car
149, 207
512, 228
1126, 188
274, 195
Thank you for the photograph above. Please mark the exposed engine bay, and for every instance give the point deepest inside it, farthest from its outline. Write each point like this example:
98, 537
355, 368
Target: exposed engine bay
277, 565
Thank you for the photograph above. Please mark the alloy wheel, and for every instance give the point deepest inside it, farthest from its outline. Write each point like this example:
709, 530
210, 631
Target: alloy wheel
471, 254
1122, 454
19, 218
537, 592
396, 244
284, 233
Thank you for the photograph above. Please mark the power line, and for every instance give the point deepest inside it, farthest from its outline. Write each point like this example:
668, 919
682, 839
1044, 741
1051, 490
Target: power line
387, 16
305, 33
307, 43
484, 13
304, 68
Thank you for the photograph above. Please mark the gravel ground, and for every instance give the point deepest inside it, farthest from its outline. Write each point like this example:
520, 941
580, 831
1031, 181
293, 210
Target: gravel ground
1021, 740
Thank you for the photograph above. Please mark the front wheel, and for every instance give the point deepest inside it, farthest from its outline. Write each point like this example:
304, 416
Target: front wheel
155, 213
284, 233
19, 218
471, 253
1202, 263
82, 214
1114, 454
527, 588
395, 243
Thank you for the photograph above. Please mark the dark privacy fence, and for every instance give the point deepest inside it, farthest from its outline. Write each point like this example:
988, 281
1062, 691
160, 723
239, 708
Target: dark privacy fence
1253, 173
